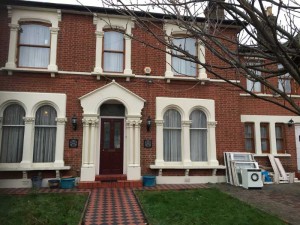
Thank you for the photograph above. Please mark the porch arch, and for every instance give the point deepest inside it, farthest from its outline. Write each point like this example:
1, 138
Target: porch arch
91, 103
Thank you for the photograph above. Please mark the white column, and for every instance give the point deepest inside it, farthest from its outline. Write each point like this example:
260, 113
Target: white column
99, 48
88, 149
211, 145
127, 69
60, 138
159, 143
201, 56
257, 138
94, 125
53, 48
28, 142
137, 140
11, 62
186, 152
169, 72
272, 138
85, 142
131, 144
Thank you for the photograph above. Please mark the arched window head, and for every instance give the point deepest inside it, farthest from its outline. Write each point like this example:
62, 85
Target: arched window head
12, 134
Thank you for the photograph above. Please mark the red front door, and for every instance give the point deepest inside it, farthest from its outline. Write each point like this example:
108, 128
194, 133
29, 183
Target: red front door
111, 146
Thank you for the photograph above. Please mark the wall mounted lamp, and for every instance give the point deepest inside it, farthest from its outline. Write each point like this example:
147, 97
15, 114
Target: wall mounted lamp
291, 122
74, 122
149, 122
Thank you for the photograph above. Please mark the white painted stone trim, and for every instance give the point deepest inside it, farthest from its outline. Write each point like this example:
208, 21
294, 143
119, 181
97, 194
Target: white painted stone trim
27, 14
123, 23
185, 107
31, 101
271, 120
91, 103
170, 30
190, 179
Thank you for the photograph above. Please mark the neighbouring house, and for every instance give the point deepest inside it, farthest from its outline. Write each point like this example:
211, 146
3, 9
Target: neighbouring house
80, 98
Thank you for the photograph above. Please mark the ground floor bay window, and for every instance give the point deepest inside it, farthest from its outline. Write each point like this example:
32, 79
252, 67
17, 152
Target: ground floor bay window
185, 133
32, 131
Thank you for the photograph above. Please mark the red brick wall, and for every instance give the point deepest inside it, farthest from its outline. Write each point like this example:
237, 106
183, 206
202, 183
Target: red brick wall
76, 52
76, 43
4, 35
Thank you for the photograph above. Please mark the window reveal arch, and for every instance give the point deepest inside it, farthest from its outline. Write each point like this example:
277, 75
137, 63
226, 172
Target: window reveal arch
12, 134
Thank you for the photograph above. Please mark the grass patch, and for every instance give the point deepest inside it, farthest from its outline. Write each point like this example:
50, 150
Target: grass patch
201, 207
38, 209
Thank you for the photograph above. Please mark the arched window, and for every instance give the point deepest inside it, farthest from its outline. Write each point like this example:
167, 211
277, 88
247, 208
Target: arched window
12, 134
34, 46
172, 136
45, 134
198, 136
113, 52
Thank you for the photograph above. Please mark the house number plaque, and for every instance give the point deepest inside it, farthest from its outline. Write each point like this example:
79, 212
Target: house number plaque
73, 143
147, 143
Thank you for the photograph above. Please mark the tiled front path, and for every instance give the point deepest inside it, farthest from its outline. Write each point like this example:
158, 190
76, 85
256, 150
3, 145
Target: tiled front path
109, 206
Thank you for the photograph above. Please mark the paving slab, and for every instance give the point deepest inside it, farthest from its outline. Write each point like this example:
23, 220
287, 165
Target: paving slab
282, 200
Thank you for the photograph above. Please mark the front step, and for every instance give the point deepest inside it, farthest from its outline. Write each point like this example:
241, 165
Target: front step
111, 181
110, 184
111, 177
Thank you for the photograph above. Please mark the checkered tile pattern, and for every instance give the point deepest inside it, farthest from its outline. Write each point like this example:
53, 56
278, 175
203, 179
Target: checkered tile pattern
112, 206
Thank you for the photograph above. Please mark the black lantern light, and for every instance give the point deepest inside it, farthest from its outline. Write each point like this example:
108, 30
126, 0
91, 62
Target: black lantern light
149, 121
291, 122
74, 122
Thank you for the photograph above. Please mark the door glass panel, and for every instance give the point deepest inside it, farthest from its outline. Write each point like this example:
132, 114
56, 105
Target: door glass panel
117, 135
106, 143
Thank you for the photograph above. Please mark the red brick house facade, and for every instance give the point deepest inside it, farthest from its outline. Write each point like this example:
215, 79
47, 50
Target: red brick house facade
82, 73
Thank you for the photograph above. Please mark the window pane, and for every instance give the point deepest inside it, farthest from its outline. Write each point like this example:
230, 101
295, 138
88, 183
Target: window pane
248, 131
278, 131
279, 145
198, 119
33, 34
34, 57
249, 145
181, 66
172, 118
12, 134
106, 144
172, 145
45, 134
13, 115
117, 135
113, 62
263, 132
186, 44
198, 139
172, 135
113, 41
264, 146
45, 115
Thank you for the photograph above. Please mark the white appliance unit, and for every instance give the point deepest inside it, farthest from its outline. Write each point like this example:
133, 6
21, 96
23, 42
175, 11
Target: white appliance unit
251, 178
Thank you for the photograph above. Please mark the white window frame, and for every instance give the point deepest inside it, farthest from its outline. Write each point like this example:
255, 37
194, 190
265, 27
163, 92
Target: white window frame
254, 86
272, 121
282, 81
26, 14
185, 106
31, 102
124, 24
173, 30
